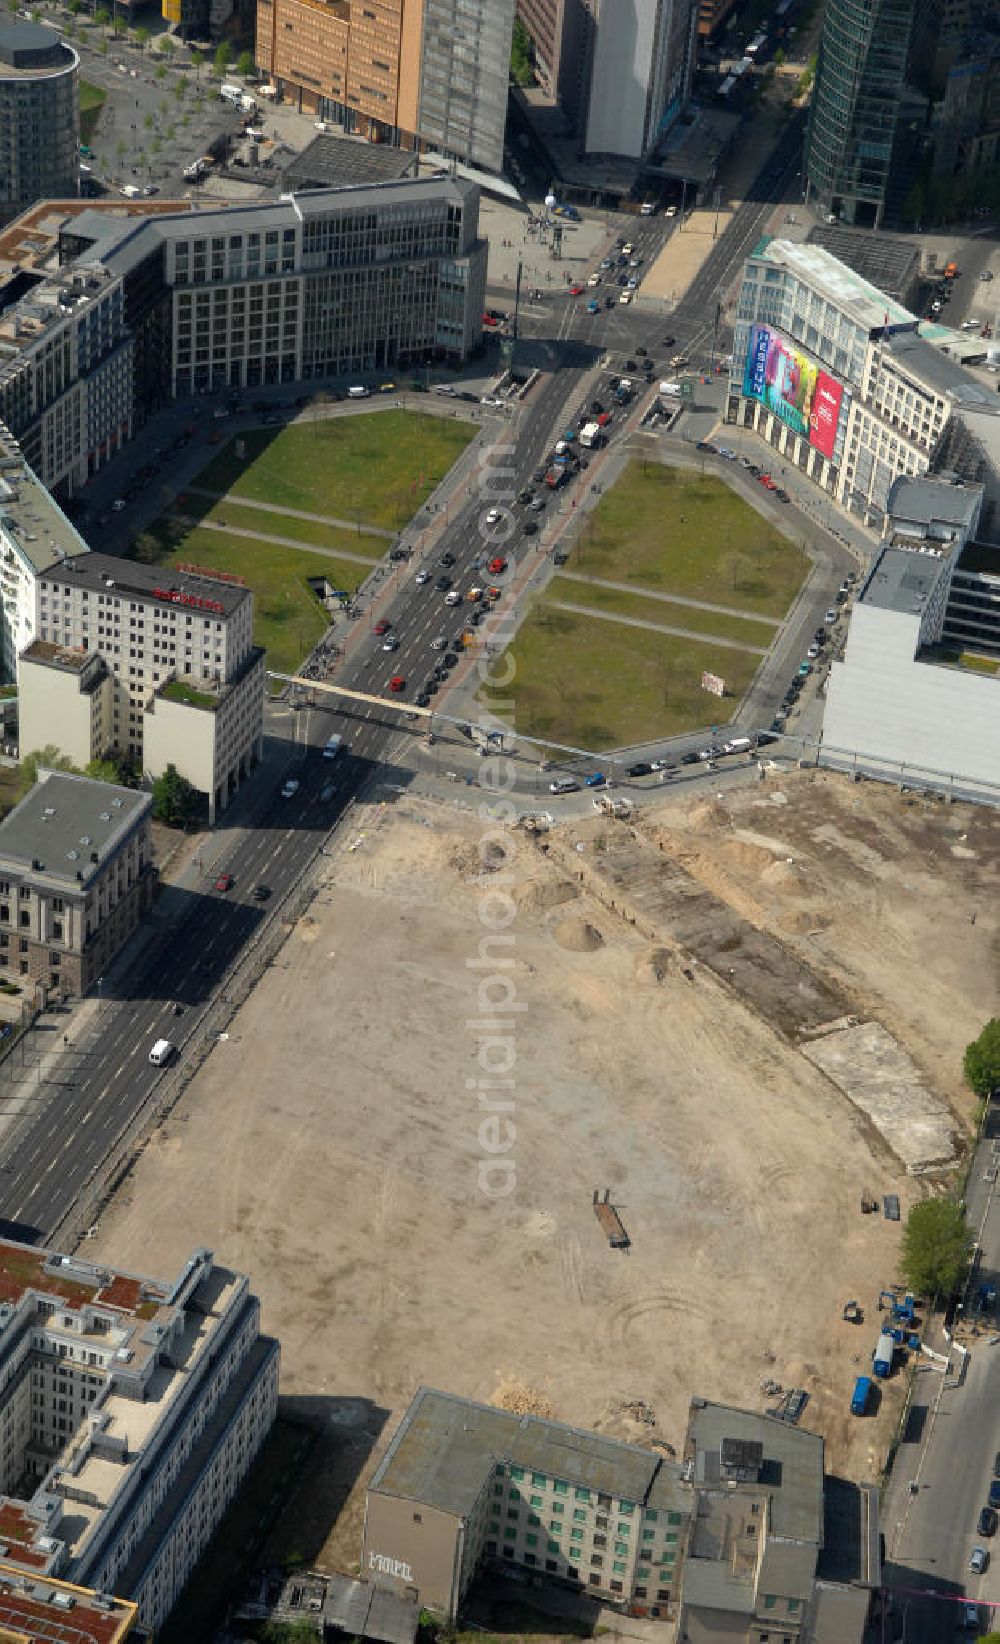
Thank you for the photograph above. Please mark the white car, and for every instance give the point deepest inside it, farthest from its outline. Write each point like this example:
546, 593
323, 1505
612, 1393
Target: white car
671, 211
493, 517
439, 644
671, 389
493, 403
454, 598
625, 298
594, 279
290, 788
422, 577
970, 325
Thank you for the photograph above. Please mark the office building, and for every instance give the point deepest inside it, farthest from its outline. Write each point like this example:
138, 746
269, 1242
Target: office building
861, 75
133, 1410
333, 280
430, 74
729, 1539
841, 380
915, 696
39, 117
620, 87
76, 878
157, 667
34, 535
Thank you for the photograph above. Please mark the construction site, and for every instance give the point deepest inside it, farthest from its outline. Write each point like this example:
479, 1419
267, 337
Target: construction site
665, 1146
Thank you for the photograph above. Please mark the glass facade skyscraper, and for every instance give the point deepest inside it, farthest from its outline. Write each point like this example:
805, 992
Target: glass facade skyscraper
862, 70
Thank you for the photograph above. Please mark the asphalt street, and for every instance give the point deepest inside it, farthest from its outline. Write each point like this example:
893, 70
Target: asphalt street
101, 1083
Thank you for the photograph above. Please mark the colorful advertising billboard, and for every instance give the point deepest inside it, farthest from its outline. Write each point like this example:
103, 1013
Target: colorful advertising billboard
806, 399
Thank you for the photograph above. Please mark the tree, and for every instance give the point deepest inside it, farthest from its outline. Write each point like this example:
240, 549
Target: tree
166, 46
244, 64
223, 58
936, 1247
521, 55
103, 770
102, 17
981, 1063
779, 57
48, 758
196, 61
119, 26
142, 38
174, 798
160, 71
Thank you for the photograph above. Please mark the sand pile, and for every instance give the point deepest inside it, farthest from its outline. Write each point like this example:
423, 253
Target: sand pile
756, 857
786, 876
710, 815
538, 895
578, 935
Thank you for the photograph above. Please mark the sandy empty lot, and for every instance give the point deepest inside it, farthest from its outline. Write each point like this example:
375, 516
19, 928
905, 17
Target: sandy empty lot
332, 1146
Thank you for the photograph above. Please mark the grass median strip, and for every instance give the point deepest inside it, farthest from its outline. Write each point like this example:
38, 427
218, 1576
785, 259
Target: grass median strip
261, 524
677, 531
661, 613
377, 467
596, 685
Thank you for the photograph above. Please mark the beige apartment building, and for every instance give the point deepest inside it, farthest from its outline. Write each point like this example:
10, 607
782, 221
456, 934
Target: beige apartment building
733, 1543
131, 1410
156, 666
417, 73
76, 878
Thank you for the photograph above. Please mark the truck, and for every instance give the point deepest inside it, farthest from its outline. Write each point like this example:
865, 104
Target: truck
195, 171
883, 1355
590, 435
861, 1395
231, 94
554, 478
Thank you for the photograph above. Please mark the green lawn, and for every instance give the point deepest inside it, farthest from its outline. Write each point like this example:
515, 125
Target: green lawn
229, 512
686, 533
593, 684
742, 629
92, 100
288, 619
375, 467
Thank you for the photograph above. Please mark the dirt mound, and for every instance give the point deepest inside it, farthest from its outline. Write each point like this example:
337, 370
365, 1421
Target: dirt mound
578, 935
786, 876
710, 815
538, 895
745, 855
653, 965
800, 922
523, 1401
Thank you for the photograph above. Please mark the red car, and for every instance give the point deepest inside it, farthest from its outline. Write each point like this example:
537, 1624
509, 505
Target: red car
382, 627
576, 290
224, 882
493, 593
489, 321
497, 565
397, 683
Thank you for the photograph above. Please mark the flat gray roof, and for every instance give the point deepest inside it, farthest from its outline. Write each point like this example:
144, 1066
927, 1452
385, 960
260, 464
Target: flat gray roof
64, 822
932, 501
938, 369
445, 1448
362, 1609
100, 573
30, 515
902, 580
883, 260
792, 1472
340, 161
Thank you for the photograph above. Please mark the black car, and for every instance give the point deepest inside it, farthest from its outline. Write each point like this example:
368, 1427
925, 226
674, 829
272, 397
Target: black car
996, 1465
609, 302
777, 726
819, 638
430, 686
640, 769
642, 351
540, 474
613, 382
530, 528
525, 495
754, 470
476, 617
782, 496
560, 559
597, 407
447, 559
262, 405
987, 1525
705, 445
400, 553
623, 279
668, 342
449, 660
261, 893
422, 699
443, 584
630, 365
765, 738
690, 758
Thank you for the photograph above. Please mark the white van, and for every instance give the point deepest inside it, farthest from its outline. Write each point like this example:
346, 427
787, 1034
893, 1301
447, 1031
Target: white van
670, 389
739, 744
230, 93
333, 747
357, 393
161, 1052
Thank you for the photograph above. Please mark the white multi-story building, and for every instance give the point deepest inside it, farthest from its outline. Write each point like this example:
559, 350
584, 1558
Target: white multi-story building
131, 1410
839, 378
158, 666
916, 695
34, 535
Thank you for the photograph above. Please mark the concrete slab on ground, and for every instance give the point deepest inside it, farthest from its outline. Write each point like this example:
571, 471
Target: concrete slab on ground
876, 1074
684, 254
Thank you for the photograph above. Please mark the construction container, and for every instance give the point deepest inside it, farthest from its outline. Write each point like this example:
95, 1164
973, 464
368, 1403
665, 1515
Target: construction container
861, 1395
883, 1354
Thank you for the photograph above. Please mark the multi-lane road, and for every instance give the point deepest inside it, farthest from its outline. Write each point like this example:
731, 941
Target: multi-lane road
102, 1080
